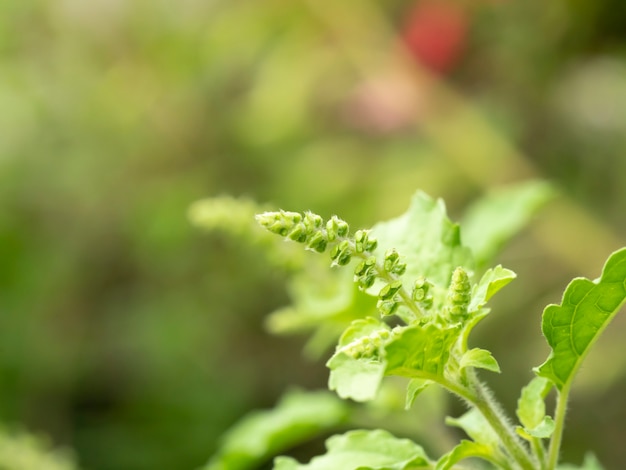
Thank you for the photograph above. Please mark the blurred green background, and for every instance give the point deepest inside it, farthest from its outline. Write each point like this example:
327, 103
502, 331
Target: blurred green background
136, 339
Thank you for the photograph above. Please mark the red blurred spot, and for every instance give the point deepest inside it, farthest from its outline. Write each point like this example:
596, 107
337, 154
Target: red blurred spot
435, 33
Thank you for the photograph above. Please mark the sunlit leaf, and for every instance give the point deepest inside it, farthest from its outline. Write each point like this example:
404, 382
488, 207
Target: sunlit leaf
357, 379
414, 388
586, 309
428, 241
476, 427
351, 377
467, 449
299, 416
492, 281
360, 328
542, 431
420, 351
417, 351
481, 359
363, 450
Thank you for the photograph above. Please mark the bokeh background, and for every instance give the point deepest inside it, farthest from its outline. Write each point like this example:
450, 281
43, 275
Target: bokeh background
136, 339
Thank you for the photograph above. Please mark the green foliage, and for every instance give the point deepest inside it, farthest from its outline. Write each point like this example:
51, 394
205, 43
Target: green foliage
27, 452
422, 277
363, 450
484, 443
430, 244
531, 411
323, 302
116, 315
572, 327
299, 416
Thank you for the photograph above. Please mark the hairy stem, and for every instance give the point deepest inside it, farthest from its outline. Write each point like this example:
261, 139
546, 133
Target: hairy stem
559, 420
490, 409
482, 399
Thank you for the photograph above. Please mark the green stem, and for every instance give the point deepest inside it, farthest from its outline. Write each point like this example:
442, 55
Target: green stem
540, 452
559, 420
490, 409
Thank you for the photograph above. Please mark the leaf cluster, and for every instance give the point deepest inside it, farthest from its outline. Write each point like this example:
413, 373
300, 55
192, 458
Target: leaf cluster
426, 298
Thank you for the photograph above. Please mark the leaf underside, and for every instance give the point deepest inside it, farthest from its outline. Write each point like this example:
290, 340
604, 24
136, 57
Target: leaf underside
572, 327
531, 407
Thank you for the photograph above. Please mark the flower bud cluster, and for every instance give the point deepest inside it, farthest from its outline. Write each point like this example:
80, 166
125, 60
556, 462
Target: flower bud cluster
392, 263
421, 293
341, 254
388, 298
335, 227
459, 295
367, 347
363, 242
365, 273
280, 222
309, 228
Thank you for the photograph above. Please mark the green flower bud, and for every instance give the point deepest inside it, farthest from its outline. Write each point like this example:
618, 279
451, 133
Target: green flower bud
459, 298
457, 312
344, 258
340, 249
399, 269
331, 229
279, 228
383, 334
390, 290
298, 233
369, 349
387, 307
459, 295
391, 259
365, 266
420, 293
360, 240
317, 242
371, 244
294, 217
367, 281
360, 236
337, 228
280, 223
